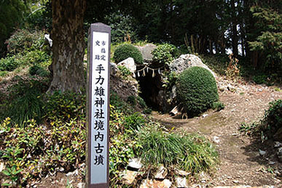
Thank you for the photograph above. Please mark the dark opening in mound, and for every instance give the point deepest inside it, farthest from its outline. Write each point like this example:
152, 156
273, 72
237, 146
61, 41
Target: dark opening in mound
151, 89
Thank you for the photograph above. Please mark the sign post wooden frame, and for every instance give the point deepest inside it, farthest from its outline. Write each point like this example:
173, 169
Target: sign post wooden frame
98, 77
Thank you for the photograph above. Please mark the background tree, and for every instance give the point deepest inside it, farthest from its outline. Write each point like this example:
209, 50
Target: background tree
11, 14
208, 27
268, 44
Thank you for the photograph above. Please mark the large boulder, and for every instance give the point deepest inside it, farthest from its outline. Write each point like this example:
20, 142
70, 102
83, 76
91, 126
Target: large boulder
188, 60
129, 64
146, 51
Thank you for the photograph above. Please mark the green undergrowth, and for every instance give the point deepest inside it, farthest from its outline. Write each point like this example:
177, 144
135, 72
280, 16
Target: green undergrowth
26, 48
55, 141
25, 100
42, 134
32, 151
270, 126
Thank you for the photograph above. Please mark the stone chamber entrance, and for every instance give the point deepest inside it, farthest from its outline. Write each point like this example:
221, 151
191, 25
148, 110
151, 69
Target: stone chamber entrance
150, 83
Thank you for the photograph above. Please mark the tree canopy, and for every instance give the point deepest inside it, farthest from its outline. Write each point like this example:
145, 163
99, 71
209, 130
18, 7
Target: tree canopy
249, 29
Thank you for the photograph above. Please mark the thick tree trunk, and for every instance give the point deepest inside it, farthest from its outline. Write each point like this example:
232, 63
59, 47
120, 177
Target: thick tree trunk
68, 45
234, 29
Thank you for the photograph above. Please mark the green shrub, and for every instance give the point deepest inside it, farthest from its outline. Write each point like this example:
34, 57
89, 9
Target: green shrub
119, 104
65, 106
3, 73
122, 26
218, 106
260, 79
121, 150
188, 152
26, 101
41, 17
23, 40
141, 102
125, 51
273, 117
125, 72
165, 53
35, 57
38, 70
196, 89
131, 100
147, 110
123, 141
8, 64
134, 121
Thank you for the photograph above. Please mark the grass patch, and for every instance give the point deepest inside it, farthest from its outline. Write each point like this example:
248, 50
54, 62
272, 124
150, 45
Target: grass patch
25, 101
188, 152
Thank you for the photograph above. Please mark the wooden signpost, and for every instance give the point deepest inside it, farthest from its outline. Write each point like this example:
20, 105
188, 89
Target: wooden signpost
97, 175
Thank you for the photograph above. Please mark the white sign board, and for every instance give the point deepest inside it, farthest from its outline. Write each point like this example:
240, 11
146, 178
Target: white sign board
98, 119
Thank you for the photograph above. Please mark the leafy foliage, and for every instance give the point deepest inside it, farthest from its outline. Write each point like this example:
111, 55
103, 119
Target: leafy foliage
141, 102
124, 146
216, 62
273, 117
269, 126
25, 101
24, 40
131, 100
41, 15
196, 90
26, 48
33, 151
35, 57
122, 27
120, 104
65, 106
218, 106
8, 63
134, 121
260, 79
38, 70
165, 53
248, 128
125, 51
125, 72
11, 15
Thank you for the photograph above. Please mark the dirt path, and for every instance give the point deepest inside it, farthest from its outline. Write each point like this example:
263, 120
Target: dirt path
241, 162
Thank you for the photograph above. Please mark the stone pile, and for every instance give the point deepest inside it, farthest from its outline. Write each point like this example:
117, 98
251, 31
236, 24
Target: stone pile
161, 177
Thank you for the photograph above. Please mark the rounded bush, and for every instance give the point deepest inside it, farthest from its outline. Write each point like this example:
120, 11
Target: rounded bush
273, 119
196, 89
125, 51
165, 53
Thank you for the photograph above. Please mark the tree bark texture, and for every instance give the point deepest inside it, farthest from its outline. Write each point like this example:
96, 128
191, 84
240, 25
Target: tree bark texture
68, 45
234, 29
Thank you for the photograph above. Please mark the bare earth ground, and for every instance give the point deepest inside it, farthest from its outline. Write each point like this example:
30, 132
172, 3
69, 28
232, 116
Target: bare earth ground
240, 160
